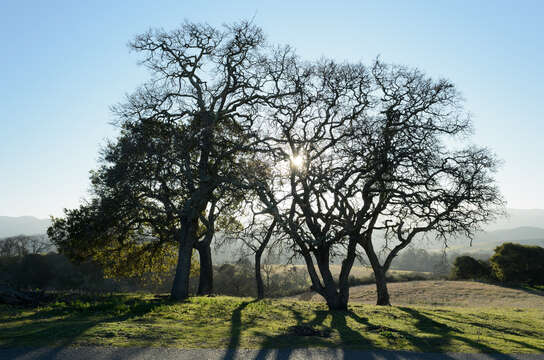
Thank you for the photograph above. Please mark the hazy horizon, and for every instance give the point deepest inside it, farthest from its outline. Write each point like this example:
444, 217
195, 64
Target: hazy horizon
68, 63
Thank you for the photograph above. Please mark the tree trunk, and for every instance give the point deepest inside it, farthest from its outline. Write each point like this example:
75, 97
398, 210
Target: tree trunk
335, 298
381, 287
186, 240
337, 302
205, 282
258, 276
379, 274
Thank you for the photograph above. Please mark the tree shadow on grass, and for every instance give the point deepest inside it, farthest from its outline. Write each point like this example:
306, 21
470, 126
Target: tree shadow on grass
236, 327
47, 328
350, 338
354, 343
466, 320
281, 346
445, 335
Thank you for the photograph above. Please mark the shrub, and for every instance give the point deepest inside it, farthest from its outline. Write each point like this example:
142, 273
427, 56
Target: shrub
518, 263
466, 267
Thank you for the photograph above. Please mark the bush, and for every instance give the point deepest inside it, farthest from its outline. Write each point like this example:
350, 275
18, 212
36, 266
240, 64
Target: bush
518, 263
466, 267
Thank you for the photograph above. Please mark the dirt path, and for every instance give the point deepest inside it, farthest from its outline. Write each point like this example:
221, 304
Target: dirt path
109, 353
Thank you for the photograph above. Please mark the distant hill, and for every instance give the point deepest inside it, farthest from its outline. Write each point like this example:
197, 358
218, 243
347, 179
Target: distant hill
484, 243
488, 241
519, 218
525, 226
22, 225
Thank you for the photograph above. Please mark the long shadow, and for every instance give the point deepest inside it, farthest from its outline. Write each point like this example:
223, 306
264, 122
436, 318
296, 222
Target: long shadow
430, 326
70, 328
283, 345
236, 330
354, 344
390, 355
350, 338
528, 290
502, 329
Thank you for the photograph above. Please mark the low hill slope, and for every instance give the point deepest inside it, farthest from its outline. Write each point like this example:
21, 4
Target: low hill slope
446, 293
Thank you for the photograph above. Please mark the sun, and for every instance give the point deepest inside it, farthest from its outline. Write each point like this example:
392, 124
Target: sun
297, 161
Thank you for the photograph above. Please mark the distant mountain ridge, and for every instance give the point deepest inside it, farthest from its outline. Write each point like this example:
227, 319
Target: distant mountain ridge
22, 225
518, 218
524, 226
488, 241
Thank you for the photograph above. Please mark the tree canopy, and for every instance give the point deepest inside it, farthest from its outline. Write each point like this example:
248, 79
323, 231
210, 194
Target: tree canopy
333, 155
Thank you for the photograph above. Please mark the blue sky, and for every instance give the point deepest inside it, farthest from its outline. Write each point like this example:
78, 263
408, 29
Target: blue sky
64, 63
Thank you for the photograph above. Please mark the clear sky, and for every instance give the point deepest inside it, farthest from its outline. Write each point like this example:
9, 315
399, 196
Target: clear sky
63, 63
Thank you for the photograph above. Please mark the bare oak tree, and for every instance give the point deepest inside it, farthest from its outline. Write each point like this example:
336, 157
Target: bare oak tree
366, 152
418, 184
304, 190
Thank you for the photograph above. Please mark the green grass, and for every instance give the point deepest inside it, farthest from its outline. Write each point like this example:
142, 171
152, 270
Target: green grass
225, 322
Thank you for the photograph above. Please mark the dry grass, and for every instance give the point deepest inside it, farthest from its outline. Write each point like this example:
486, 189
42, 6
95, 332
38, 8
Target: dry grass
447, 293
358, 272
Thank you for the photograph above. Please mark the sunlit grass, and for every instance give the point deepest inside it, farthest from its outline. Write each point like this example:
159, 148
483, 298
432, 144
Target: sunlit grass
225, 322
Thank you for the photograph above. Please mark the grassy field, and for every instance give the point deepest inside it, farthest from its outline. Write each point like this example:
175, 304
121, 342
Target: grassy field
225, 322
446, 293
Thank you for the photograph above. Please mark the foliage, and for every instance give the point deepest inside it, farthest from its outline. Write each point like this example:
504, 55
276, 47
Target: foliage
176, 165
56, 272
223, 322
466, 267
97, 231
518, 263
334, 152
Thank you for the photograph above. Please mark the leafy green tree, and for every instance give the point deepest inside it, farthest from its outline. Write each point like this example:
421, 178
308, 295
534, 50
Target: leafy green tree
124, 246
183, 138
518, 263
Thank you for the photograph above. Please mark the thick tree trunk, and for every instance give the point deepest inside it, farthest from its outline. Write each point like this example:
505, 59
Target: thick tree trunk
180, 287
335, 296
186, 240
205, 282
381, 287
337, 301
258, 275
